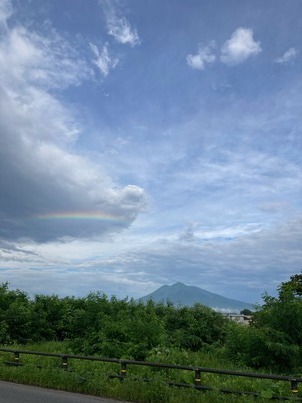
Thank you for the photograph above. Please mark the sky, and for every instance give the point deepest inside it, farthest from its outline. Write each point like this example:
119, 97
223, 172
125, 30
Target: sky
150, 142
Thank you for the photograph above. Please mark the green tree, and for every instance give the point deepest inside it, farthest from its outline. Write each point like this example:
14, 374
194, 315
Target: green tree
293, 287
274, 340
48, 314
15, 315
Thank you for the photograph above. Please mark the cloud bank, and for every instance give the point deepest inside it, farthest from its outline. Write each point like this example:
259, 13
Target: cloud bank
47, 190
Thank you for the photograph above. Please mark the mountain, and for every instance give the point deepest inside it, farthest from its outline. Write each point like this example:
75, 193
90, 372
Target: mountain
180, 295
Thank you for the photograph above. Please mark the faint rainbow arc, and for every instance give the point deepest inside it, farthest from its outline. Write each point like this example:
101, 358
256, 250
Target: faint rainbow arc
80, 215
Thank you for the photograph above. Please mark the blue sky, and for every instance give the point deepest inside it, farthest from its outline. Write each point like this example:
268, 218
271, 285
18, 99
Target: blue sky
148, 142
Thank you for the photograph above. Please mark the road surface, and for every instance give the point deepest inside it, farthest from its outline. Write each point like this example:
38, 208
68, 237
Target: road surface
17, 393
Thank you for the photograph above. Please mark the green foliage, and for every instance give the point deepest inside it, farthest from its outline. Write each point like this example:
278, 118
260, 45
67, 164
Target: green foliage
292, 287
261, 348
108, 327
15, 315
194, 328
274, 340
115, 328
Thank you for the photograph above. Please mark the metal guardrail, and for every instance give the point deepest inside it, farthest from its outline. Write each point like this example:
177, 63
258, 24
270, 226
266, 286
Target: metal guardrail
294, 381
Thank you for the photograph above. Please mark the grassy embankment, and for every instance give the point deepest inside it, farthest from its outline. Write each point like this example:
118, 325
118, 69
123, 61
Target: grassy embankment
92, 377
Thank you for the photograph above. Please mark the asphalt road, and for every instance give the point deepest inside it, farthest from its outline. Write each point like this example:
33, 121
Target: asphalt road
17, 393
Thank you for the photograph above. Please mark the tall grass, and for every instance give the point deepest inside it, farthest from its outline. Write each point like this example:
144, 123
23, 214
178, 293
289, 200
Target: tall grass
92, 377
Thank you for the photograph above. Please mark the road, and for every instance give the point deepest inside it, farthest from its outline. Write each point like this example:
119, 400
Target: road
17, 393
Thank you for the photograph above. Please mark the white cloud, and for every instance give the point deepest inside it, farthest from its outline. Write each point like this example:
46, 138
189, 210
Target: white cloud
210, 260
40, 174
202, 57
104, 61
118, 26
239, 47
49, 61
121, 30
288, 56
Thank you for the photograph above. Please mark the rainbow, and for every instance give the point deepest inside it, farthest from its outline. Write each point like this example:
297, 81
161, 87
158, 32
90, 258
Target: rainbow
81, 215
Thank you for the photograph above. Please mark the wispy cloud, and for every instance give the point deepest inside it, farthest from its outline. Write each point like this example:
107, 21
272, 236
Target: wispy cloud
118, 26
121, 30
204, 56
239, 47
288, 56
48, 61
104, 61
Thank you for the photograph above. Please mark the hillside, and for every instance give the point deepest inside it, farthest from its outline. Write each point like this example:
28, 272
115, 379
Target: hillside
181, 294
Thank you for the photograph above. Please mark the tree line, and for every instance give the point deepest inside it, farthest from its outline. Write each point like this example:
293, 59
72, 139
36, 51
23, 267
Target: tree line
111, 327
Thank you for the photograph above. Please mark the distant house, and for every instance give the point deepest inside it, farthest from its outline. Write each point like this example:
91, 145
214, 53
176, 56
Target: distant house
239, 318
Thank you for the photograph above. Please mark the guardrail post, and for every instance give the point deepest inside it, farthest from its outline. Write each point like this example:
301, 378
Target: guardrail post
123, 371
64, 363
197, 380
294, 385
16, 357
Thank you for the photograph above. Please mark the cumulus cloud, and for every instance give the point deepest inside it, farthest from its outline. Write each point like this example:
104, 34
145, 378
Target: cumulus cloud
204, 56
117, 24
239, 47
287, 57
47, 190
104, 61
235, 50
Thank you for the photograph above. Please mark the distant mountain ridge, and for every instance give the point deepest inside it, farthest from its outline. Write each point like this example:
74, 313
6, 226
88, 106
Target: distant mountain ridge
183, 295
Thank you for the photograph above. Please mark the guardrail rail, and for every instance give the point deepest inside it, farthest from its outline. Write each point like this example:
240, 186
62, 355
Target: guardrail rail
124, 364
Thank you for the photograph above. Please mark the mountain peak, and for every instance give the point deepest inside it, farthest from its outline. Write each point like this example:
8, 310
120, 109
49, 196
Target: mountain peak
183, 295
178, 284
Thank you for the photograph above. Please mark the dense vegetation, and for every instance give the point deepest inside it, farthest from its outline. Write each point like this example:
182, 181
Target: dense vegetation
274, 341
109, 327
116, 328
